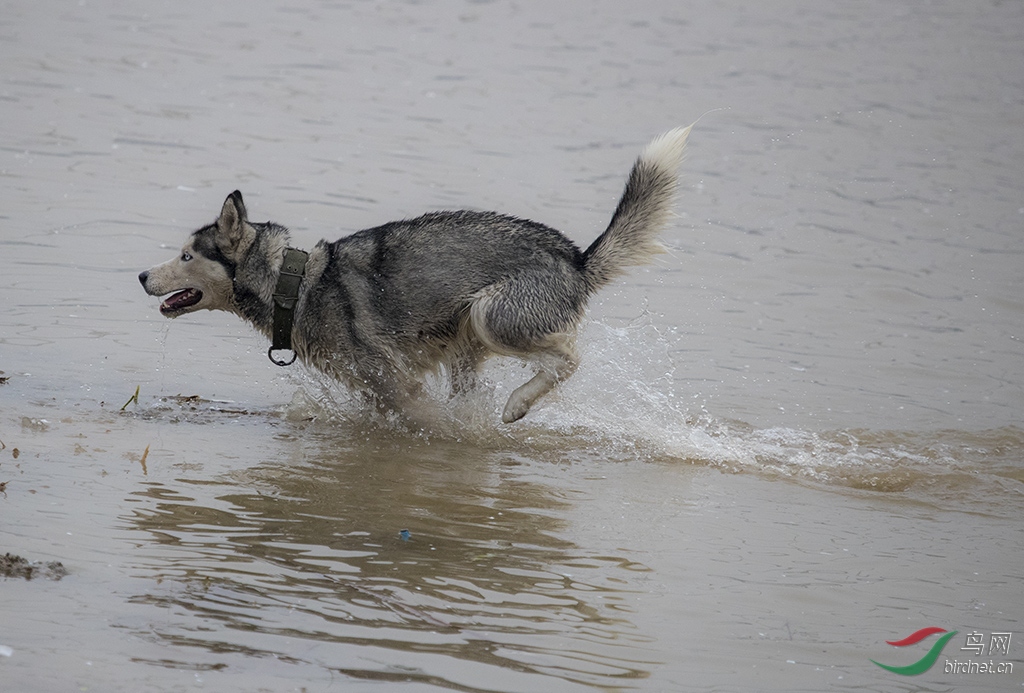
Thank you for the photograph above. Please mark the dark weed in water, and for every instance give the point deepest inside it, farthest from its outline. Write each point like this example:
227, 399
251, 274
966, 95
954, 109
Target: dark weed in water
12, 566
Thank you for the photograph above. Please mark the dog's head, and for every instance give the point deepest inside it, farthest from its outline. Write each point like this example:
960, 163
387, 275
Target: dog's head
202, 275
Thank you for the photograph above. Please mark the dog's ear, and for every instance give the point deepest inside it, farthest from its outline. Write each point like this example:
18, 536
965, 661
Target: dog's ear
231, 224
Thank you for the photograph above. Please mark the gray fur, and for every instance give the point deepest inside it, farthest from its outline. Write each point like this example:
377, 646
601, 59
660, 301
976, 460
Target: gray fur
381, 307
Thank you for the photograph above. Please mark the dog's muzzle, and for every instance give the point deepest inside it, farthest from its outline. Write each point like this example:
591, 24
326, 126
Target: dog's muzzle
185, 298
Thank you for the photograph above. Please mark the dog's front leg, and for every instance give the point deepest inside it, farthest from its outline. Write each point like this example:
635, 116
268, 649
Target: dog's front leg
388, 396
463, 369
394, 395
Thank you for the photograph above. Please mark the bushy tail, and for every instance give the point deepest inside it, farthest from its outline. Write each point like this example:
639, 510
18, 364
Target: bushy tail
632, 236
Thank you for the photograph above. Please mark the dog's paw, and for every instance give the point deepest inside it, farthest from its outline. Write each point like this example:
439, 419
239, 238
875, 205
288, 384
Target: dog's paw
515, 409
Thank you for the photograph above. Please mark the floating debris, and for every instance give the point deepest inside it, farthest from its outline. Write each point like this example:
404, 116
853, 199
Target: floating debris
186, 399
405, 534
12, 566
195, 401
33, 424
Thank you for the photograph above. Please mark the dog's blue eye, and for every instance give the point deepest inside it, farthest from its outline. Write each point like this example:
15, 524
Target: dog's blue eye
185, 257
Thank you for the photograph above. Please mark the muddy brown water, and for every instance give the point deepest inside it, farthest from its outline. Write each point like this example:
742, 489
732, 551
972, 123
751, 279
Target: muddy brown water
796, 437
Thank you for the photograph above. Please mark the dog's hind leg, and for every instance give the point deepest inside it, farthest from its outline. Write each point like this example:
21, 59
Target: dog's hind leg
532, 316
557, 363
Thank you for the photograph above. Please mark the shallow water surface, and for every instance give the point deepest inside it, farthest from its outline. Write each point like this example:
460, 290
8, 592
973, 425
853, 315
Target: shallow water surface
794, 438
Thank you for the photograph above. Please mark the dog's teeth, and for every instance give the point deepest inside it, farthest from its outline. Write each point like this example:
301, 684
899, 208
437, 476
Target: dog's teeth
181, 299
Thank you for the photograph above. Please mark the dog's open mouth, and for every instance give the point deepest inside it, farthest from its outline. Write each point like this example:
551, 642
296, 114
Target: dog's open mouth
180, 301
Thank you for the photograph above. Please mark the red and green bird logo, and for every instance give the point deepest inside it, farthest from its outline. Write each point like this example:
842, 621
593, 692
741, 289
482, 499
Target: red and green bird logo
925, 663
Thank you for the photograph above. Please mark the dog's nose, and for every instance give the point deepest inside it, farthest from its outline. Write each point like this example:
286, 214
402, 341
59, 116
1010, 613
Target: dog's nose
143, 276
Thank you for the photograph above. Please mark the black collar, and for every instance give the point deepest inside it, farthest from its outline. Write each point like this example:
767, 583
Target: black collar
286, 295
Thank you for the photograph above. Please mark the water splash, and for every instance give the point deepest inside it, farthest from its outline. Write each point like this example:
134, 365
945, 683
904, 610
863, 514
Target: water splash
622, 405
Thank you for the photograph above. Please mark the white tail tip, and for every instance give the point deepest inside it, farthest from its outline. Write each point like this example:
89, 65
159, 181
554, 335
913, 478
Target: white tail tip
666, 150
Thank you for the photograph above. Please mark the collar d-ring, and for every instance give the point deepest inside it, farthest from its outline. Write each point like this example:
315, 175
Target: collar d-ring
280, 362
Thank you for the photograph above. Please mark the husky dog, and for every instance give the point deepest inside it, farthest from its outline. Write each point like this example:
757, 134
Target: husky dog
380, 308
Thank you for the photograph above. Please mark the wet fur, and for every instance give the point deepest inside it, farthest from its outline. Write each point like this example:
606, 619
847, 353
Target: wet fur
381, 307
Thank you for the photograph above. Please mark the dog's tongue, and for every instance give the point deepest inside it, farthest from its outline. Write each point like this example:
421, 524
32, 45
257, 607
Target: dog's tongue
182, 299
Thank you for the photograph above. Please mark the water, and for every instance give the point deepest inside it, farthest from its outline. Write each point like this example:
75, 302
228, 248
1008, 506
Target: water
794, 438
